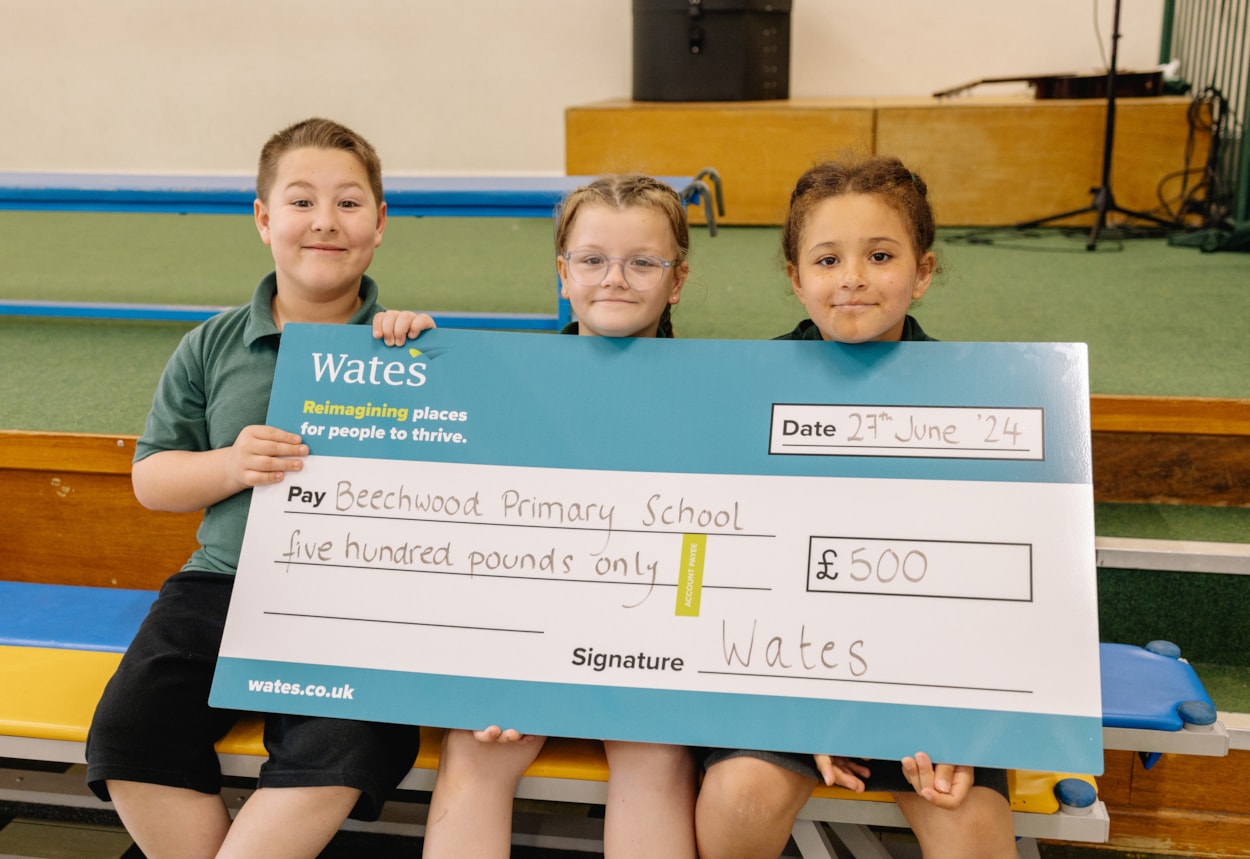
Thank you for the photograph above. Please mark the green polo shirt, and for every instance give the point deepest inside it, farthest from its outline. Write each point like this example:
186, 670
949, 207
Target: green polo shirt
216, 383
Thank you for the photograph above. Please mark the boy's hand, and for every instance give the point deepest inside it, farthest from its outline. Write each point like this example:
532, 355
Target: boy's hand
396, 327
944, 785
262, 454
841, 771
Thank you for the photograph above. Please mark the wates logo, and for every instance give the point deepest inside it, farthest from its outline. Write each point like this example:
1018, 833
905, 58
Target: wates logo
374, 371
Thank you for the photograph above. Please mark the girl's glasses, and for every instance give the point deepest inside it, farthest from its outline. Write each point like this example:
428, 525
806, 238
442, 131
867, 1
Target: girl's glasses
590, 268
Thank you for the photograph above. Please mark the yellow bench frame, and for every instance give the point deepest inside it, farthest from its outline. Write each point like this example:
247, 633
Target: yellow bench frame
50, 695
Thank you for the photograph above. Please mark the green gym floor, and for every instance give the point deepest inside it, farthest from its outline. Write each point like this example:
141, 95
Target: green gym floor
1160, 320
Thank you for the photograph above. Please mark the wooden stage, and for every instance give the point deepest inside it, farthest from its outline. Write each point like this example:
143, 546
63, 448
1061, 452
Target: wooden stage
988, 161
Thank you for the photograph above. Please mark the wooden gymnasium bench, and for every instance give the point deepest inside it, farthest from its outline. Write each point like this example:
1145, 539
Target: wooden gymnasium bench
59, 644
406, 196
72, 519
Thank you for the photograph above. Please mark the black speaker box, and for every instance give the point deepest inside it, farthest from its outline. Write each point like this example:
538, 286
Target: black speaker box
711, 50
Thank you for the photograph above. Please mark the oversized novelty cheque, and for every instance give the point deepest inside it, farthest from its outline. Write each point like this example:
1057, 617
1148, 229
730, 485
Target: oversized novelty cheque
866, 550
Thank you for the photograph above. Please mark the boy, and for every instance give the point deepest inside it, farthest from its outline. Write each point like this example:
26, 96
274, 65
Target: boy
319, 208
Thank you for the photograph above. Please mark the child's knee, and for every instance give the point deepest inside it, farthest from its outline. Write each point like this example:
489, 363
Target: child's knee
755, 792
980, 828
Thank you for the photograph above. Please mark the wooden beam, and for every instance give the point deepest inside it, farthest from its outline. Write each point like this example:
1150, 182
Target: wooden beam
68, 495
71, 516
67, 451
86, 528
1171, 450
1189, 415
112, 454
1172, 468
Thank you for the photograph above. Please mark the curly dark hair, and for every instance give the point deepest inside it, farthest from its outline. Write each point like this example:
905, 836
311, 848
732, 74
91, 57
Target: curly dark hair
883, 176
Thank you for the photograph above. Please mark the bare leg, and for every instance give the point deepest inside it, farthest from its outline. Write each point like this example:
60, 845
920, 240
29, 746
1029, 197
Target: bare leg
746, 808
650, 810
288, 822
980, 828
471, 809
171, 821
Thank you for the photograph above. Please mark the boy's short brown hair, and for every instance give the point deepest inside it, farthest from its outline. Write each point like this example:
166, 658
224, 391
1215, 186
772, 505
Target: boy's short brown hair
317, 133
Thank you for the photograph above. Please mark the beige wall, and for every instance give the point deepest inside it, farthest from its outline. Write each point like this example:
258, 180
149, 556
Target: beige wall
457, 86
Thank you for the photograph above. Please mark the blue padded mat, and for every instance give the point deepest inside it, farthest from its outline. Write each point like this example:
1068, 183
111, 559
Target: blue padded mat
421, 196
1142, 690
70, 617
417, 196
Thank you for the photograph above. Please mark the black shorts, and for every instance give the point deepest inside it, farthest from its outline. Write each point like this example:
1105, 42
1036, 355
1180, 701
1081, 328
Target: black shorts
154, 725
885, 775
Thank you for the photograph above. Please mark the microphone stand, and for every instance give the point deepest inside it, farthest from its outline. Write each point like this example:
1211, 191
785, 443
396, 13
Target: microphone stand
1104, 200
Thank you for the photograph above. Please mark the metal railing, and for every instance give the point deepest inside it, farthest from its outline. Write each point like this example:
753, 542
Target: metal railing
1210, 38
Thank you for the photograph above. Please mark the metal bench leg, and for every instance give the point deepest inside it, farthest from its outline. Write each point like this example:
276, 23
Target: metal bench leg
812, 841
1027, 848
860, 841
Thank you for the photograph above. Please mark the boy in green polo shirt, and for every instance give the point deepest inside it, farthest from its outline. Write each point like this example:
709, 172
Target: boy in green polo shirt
319, 208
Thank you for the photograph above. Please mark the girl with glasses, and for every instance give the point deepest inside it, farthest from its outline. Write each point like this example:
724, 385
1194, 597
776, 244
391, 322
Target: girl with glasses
621, 245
